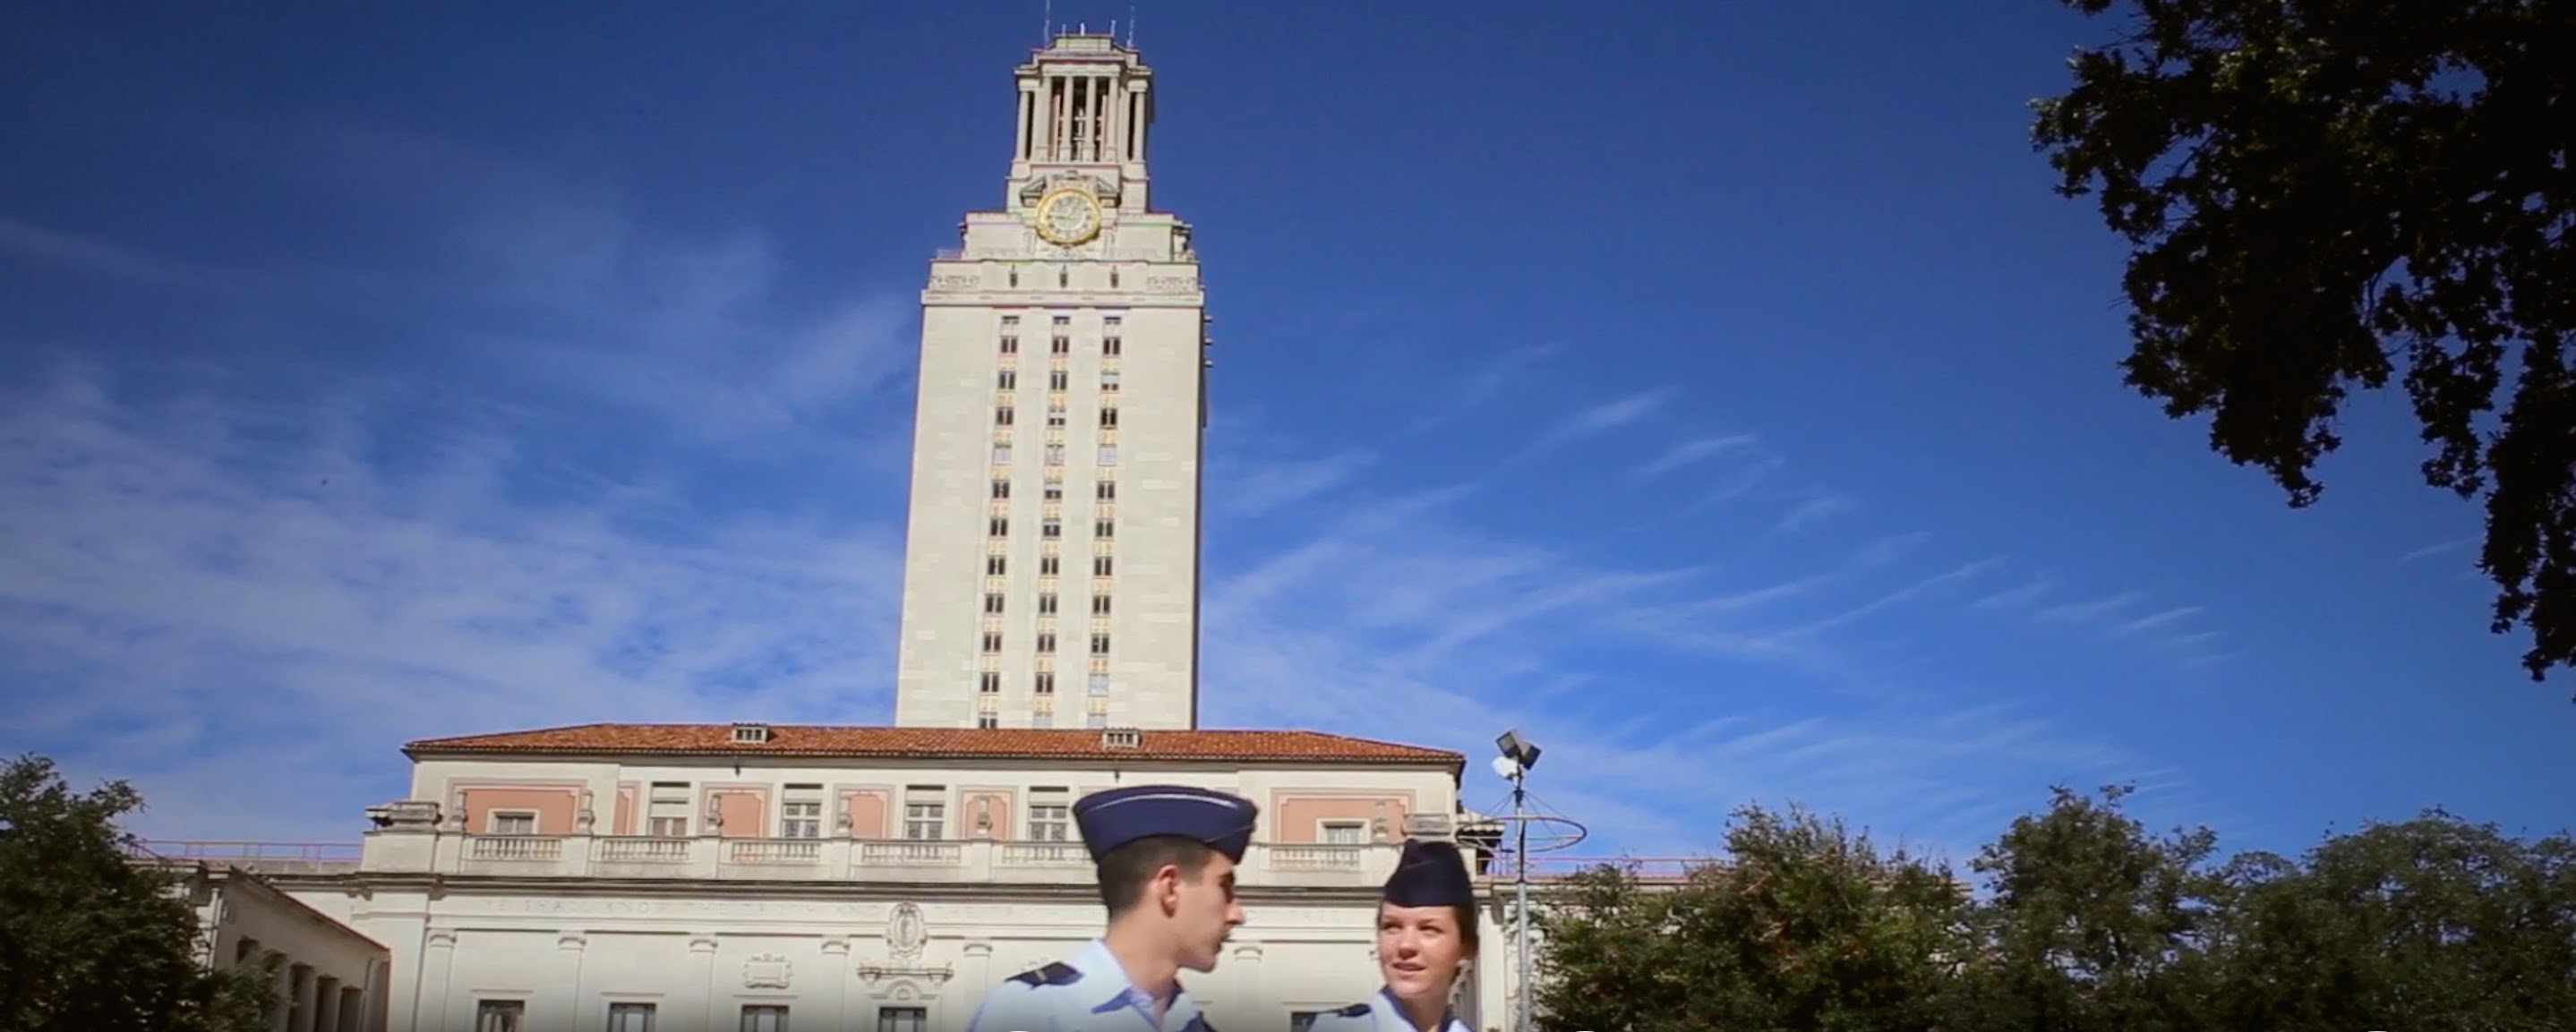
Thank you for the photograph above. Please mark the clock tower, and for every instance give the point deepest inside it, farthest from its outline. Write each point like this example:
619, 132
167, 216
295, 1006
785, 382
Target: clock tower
1051, 558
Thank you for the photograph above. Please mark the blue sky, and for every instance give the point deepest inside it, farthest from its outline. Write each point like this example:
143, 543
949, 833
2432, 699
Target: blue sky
1720, 396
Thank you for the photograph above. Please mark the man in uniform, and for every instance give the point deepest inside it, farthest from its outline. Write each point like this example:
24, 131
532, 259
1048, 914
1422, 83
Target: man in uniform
1426, 932
1166, 857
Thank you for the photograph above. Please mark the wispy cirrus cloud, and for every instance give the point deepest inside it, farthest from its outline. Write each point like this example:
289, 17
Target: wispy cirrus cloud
1691, 452
1608, 416
2438, 548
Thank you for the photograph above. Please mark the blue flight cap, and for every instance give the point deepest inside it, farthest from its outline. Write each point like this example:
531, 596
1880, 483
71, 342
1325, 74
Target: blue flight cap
1122, 815
1430, 874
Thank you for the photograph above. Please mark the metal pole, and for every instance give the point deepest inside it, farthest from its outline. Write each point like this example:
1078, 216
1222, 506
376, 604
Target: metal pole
1520, 903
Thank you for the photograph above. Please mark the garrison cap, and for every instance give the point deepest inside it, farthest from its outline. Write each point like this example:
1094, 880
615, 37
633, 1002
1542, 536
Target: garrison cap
1122, 815
1431, 873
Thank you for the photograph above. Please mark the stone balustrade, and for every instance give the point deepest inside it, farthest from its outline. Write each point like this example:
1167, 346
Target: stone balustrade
973, 861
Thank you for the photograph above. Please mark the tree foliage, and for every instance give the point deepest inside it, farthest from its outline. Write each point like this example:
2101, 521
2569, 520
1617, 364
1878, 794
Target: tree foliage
2086, 921
2318, 192
90, 941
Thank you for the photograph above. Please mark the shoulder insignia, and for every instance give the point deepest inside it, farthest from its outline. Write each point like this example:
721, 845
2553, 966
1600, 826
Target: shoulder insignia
1058, 973
1356, 1010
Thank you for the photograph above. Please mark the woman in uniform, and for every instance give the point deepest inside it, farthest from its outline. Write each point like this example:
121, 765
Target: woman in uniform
1426, 930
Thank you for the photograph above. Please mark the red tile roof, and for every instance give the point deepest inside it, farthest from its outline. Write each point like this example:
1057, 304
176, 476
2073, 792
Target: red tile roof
939, 743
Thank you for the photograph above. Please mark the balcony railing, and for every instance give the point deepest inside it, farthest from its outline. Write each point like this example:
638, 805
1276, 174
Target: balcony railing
628, 857
834, 859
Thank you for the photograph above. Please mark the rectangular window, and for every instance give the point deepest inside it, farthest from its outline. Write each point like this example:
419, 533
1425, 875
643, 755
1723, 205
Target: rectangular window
1050, 815
988, 721
1055, 491
1010, 320
1109, 345
1112, 321
1001, 488
1062, 345
1042, 719
1002, 415
1055, 415
1055, 455
630, 1017
998, 526
1008, 379
800, 812
1046, 644
510, 822
1104, 528
1001, 455
1046, 604
1106, 491
990, 683
994, 565
1095, 720
1108, 455
1010, 344
992, 641
1063, 320
1099, 605
903, 1019
925, 813
1109, 417
1100, 566
1100, 644
1051, 529
1056, 381
1345, 833
1045, 683
1047, 565
1109, 381
500, 1016
992, 602
668, 811
764, 1018
1099, 683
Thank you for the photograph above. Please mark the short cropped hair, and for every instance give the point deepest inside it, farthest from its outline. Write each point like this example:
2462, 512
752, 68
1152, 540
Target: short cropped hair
1124, 870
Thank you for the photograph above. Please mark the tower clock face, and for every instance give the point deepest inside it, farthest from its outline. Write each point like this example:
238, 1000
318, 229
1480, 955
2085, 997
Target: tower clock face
1068, 217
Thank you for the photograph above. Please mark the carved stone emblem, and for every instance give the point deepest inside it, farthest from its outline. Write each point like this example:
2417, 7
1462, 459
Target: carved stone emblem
767, 971
906, 934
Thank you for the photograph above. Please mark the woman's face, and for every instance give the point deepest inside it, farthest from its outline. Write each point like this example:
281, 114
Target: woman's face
1418, 950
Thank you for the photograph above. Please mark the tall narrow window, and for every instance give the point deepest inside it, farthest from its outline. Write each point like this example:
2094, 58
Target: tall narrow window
1100, 566
764, 1018
1045, 683
1099, 605
1106, 491
1050, 815
1108, 417
1104, 528
1046, 604
993, 602
500, 1016
988, 721
1001, 488
1109, 345
630, 1017
995, 566
1046, 644
1100, 644
668, 811
1001, 415
1010, 345
925, 813
992, 641
1062, 345
999, 526
990, 682
800, 812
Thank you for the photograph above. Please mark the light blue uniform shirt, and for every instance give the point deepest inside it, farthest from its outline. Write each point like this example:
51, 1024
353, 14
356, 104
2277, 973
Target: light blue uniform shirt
1085, 992
1380, 1014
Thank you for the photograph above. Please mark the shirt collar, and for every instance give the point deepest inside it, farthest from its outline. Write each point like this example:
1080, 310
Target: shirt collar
1101, 968
1393, 1006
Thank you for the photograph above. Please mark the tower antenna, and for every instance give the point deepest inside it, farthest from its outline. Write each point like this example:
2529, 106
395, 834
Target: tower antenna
1131, 26
1046, 33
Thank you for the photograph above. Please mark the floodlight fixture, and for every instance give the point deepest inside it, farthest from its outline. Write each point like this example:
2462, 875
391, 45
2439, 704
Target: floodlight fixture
1521, 751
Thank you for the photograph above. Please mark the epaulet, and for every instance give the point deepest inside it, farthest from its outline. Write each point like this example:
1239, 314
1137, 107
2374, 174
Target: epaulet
1356, 1010
1058, 973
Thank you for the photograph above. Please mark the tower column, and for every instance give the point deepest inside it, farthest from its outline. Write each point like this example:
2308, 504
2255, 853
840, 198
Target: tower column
1024, 125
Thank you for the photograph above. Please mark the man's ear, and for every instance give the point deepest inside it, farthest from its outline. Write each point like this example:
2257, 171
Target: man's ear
1166, 888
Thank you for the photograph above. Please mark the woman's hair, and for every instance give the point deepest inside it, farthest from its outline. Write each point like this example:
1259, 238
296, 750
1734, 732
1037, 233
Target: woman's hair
1466, 916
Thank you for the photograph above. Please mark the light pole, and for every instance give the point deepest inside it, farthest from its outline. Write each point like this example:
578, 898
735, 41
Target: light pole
1518, 756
